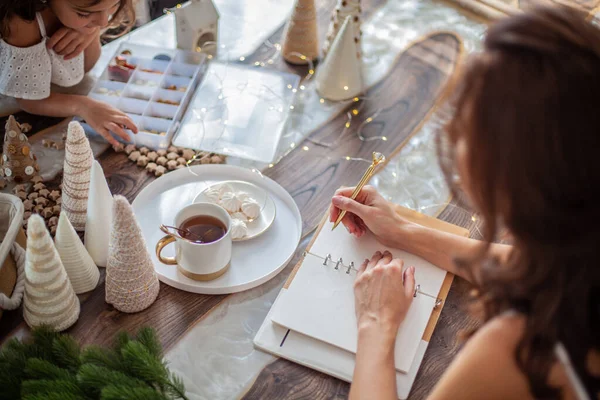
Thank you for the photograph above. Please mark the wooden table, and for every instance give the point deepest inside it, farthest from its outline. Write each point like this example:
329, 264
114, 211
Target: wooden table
406, 97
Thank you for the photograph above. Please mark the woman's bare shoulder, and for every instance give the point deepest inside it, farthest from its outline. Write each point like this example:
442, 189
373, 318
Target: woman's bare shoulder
23, 33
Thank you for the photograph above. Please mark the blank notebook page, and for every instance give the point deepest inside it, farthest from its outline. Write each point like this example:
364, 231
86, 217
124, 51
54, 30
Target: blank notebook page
320, 300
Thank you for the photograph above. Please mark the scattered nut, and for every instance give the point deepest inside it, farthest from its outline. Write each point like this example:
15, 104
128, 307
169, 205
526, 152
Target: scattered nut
55, 194
37, 179
171, 165
44, 193
47, 142
26, 215
25, 127
161, 161
216, 159
33, 196
180, 166
173, 149
130, 148
181, 161
161, 152
205, 160
47, 212
133, 156
39, 186
142, 161
160, 170
151, 167
41, 201
172, 156
144, 151
53, 230
59, 201
38, 209
22, 195
2, 183
28, 204
56, 209
188, 154
58, 145
53, 221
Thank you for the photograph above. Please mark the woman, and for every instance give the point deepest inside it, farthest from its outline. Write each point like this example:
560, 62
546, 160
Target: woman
523, 140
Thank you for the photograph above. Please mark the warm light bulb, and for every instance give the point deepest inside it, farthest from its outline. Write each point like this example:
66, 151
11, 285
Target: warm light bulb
305, 148
322, 101
355, 112
345, 87
384, 138
347, 124
242, 58
311, 71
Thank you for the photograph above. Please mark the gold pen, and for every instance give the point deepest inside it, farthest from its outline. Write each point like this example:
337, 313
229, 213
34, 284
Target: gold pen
378, 158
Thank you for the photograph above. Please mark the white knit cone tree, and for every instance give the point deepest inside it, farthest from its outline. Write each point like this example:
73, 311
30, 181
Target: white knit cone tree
131, 282
99, 216
80, 267
76, 176
343, 10
49, 297
339, 77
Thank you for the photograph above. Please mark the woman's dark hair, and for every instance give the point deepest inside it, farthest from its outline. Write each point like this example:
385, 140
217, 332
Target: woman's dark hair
122, 20
528, 110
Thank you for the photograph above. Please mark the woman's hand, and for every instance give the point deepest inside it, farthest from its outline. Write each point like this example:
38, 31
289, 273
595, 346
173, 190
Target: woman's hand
70, 43
383, 294
370, 211
104, 119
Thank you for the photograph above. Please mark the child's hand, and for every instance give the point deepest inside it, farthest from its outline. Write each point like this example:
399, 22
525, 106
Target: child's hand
104, 119
70, 43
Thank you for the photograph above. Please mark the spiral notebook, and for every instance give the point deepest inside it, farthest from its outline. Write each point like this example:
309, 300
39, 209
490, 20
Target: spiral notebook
312, 322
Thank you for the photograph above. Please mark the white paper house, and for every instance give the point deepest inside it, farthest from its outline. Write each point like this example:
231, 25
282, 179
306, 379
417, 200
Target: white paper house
197, 26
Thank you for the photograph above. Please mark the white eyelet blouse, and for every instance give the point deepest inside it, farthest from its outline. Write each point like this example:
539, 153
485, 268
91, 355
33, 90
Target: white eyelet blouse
27, 72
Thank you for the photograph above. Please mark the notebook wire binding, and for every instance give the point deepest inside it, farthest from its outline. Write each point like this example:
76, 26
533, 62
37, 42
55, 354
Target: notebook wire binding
328, 260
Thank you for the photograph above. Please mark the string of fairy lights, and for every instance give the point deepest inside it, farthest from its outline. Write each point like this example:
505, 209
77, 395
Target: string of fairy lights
354, 116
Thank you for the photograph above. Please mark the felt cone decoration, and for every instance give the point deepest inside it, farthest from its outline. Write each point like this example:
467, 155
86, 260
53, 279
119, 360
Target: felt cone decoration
18, 163
131, 283
76, 175
340, 75
301, 43
80, 267
343, 10
99, 216
49, 297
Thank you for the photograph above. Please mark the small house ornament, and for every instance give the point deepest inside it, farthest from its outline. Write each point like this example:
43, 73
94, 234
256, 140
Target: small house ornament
197, 26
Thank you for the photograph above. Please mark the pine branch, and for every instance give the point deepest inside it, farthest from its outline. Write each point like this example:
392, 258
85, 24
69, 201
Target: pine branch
49, 386
66, 352
120, 392
103, 358
121, 341
43, 339
37, 368
141, 363
176, 387
148, 338
92, 379
53, 396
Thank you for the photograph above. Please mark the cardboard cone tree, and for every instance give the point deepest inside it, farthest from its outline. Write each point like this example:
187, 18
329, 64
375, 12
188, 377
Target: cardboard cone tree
99, 216
76, 176
301, 43
131, 283
49, 297
343, 10
18, 163
80, 267
340, 75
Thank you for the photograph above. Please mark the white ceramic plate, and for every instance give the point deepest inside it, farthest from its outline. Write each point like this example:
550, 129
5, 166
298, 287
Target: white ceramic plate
267, 215
253, 261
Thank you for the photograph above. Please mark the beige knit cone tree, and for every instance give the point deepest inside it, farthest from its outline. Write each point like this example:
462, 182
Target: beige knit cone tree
99, 216
344, 9
18, 163
80, 267
76, 176
131, 282
301, 43
49, 297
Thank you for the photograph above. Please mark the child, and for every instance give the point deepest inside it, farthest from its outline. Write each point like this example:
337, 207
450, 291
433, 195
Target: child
524, 142
44, 42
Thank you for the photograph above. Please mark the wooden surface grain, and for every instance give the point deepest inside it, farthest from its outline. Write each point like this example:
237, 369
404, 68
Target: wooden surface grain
404, 99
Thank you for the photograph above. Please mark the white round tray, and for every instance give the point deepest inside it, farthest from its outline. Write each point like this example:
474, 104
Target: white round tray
253, 262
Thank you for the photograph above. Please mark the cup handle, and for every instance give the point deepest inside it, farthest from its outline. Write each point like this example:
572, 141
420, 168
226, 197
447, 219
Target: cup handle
162, 243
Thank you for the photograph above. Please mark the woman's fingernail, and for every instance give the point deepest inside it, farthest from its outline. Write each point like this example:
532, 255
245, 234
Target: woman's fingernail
336, 200
412, 269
